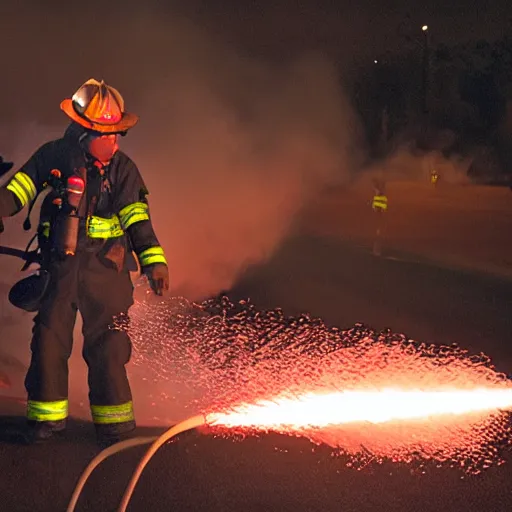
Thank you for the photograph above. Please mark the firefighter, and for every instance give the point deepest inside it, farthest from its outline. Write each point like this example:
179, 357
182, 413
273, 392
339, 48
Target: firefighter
94, 218
379, 206
380, 199
434, 177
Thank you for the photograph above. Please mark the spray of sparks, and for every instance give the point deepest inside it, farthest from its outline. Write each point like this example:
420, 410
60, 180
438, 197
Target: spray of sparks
372, 396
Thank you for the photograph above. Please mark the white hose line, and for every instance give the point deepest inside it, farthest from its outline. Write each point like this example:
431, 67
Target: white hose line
104, 454
188, 424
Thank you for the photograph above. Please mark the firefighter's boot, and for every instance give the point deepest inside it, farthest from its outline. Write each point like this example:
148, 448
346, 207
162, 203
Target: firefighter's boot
42, 431
107, 435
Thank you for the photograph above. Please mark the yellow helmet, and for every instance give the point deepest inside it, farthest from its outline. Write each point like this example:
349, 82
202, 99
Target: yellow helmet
99, 107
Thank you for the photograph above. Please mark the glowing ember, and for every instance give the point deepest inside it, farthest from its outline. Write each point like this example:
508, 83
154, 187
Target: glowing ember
372, 396
317, 411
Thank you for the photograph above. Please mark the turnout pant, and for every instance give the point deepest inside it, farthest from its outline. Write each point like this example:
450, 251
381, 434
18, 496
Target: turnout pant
82, 283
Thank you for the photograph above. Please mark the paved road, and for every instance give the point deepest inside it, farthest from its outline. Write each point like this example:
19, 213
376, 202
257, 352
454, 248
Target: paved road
342, 285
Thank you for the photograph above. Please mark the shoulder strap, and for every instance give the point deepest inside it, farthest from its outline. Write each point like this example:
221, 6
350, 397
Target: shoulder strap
27, 225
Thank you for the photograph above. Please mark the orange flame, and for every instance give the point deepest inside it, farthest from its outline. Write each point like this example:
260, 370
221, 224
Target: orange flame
313, 410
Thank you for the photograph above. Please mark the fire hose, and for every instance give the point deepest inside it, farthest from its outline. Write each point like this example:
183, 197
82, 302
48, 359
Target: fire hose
157, 442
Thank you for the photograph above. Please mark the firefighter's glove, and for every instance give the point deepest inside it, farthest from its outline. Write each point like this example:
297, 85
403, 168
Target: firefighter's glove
158, 276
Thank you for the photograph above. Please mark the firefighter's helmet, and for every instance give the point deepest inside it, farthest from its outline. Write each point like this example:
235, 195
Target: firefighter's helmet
28, 294
99, 107
5, 166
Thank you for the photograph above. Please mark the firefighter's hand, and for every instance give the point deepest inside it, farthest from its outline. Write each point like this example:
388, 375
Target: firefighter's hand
158, 276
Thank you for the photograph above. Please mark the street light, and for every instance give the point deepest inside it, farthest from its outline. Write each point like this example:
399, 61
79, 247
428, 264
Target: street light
425, 70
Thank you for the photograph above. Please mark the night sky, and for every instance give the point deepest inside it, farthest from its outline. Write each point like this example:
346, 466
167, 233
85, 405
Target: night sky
47, 51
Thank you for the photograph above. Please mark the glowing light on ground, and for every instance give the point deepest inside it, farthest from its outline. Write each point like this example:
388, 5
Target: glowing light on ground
370, 395
317, 410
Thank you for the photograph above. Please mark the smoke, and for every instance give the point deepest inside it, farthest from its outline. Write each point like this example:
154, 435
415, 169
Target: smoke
230, 146
407, 164
231, 149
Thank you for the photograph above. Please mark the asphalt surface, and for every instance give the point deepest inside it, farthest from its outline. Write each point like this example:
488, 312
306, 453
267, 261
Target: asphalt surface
343, 285
457, 225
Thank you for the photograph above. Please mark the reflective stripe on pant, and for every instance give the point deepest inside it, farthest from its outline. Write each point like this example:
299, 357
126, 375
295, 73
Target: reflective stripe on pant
47, 411
111, 414
100, 293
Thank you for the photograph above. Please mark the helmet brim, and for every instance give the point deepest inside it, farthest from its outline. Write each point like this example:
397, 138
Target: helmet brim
128, 120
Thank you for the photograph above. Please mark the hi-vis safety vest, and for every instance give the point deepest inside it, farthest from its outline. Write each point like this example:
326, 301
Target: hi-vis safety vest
380, 202
23, 187
99, 227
